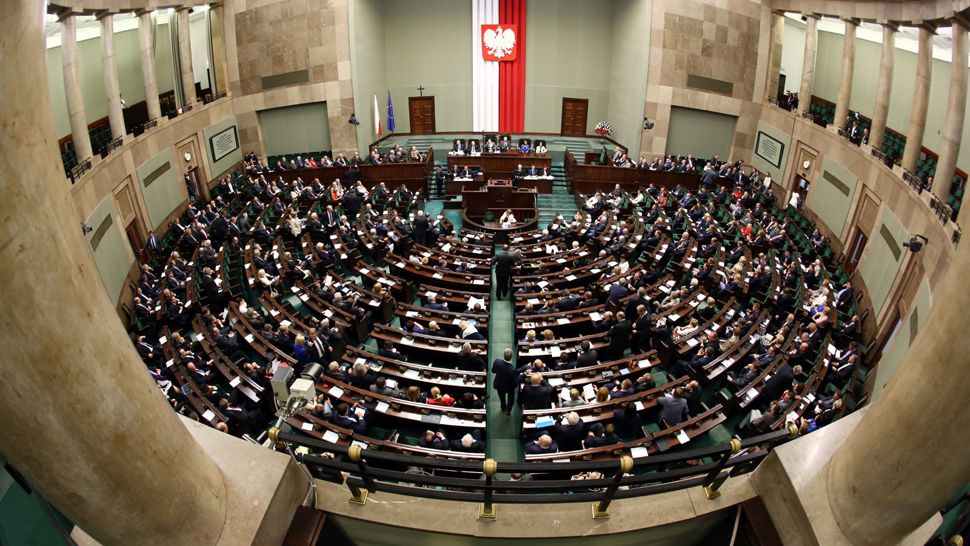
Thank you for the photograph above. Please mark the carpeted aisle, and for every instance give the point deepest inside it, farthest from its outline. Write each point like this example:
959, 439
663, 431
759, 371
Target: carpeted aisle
503, 430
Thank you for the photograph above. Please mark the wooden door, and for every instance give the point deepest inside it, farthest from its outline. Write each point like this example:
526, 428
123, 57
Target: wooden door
855, 251
133, 230
421, 114
574, 116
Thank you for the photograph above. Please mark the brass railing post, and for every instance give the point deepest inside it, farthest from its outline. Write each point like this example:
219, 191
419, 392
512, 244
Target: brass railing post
601, 510
355, 453
487, 510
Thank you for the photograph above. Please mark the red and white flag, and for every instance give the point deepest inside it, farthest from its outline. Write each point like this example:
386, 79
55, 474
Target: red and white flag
498, 65
377, 118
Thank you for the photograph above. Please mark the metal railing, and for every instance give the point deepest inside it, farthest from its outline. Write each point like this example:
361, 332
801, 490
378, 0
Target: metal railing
601, 482
78, 170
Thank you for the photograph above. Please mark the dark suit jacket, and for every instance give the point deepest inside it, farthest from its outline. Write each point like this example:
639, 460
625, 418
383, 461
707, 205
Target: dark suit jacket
536, 397
504, 375
504, 262
620, 336
779, 383
673, 410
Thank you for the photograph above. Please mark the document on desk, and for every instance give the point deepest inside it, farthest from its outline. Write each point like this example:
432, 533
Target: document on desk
209, 415
544, 421
306, 426
563, 320
382, 407
331, 436
336, 392
595, 316
682, 436
639, 452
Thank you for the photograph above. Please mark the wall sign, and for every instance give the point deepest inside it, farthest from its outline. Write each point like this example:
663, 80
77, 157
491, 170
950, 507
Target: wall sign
224, 143
769, 149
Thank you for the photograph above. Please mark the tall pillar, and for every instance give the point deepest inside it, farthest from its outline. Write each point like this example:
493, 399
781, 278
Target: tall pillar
848, 67
921, 99
956, 110
901, 463
774, 54
185, 56
808, 66
146, 40
110, 69
220, 59
81, 418
72, 88
884, 87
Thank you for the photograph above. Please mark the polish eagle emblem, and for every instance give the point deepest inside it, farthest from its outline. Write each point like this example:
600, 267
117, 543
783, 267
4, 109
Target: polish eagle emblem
499, 42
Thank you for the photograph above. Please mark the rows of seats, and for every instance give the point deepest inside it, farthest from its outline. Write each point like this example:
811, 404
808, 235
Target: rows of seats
716, 296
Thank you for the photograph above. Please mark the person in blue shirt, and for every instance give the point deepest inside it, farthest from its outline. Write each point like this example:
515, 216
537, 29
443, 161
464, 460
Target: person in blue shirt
525, 147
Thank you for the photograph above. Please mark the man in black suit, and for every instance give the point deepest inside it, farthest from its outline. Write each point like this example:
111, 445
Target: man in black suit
504, 261
642, 327
619, 336
588, 357
351, 202
777, 384
420, 228
537, 394
505, 380
469, 360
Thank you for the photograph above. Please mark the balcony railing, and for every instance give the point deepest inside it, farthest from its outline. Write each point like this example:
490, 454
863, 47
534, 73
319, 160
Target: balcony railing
366, 471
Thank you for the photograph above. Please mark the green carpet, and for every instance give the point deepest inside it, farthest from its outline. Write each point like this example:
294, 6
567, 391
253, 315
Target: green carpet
503, 430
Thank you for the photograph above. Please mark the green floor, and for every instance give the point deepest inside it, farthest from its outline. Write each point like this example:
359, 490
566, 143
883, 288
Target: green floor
503, 430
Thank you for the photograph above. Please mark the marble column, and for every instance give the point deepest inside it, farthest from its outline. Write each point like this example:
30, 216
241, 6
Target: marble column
185, 56
72, 88
220, 59
808, 66
956, 110
907, 455
848, 68
81, 418
110, 69
921, 99
146, 40
774, 53
884, 87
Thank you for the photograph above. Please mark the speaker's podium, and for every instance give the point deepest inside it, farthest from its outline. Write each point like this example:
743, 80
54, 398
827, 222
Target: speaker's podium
482, 206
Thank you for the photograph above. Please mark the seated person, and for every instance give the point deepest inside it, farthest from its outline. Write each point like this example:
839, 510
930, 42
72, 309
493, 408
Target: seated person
540, 147
507, 219
458, 148
541, 446
473, 147
490, 145
525, 146
469, 443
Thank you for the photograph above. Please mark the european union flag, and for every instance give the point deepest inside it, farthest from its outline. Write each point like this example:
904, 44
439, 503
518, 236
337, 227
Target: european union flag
390, 113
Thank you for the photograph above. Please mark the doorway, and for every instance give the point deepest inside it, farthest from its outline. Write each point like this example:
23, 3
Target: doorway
133, 230
859, 241
421, 114
801, 188
193, 184
574, 112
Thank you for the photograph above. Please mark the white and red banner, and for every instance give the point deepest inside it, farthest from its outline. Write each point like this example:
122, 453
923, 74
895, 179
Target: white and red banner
498, 65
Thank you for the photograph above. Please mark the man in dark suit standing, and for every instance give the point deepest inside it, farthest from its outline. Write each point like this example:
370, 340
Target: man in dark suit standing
421, 228
351, 202
673, 409
505, 380
619, 336
504, 261
152, 244
537, 394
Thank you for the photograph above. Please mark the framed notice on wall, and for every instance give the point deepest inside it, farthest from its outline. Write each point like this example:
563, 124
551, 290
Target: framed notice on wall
769, 149
224, 143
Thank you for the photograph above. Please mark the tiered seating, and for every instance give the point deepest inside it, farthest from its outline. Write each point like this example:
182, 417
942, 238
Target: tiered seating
402, 328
